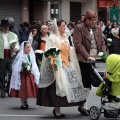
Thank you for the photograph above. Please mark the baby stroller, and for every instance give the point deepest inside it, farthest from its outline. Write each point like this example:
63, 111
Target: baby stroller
110, 109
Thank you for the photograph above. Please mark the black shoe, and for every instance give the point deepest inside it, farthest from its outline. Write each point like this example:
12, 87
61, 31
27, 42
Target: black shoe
24, 107
83, 111
58, 116
26, 104
63, 115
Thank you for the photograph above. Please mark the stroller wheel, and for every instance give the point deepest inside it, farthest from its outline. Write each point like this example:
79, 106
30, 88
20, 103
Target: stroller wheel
118, 117
94, 113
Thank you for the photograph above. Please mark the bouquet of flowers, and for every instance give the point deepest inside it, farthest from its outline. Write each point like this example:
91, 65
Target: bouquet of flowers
39, 56
115, 33
101, 56
27, 67
52, 55
13, 43
109, 40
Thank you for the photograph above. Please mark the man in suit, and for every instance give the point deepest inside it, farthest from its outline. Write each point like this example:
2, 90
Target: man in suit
107, 30
88, 41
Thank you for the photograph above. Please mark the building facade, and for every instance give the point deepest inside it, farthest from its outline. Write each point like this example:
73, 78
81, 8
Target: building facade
43, 10
62, 9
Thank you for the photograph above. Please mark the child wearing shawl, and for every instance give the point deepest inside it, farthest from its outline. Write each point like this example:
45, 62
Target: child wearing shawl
25, 75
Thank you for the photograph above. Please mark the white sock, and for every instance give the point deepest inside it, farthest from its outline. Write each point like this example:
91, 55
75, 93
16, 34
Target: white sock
57, 110
26, 100
87, 91
23, 100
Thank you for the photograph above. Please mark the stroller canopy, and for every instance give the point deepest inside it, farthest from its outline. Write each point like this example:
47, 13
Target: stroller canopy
113, 75
113, 67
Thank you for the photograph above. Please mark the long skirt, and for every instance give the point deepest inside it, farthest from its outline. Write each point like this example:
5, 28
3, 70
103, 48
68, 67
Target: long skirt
28, 88
47, 96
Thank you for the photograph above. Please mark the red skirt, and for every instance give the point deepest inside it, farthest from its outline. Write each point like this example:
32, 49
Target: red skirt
28, 88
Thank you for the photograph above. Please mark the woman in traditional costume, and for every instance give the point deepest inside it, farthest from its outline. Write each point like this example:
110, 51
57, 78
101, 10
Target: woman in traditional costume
63, 87
25, 75
39, 40
114, 48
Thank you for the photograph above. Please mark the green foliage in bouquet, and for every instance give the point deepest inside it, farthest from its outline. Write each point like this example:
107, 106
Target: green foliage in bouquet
26, 67
52, 55
13, 44
39, 64
52, 52
39, 56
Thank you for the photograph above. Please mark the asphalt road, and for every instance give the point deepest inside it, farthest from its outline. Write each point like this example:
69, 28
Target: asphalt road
10, 108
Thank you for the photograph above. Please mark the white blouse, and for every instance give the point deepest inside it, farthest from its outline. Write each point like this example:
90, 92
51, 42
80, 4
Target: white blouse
115, 31
6, 43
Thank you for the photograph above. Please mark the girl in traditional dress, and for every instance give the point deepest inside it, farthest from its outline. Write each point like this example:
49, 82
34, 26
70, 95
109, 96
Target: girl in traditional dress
25, 75
63, 87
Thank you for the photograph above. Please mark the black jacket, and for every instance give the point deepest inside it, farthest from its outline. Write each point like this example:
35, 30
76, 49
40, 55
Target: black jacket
36, 41
107, 31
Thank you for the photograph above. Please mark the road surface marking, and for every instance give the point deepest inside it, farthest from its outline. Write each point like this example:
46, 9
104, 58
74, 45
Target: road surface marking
10, 115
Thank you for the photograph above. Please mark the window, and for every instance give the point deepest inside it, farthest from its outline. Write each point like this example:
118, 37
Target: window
55, 11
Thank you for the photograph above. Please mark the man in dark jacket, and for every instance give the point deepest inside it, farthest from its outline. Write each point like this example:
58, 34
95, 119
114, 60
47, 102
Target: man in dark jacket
107, 30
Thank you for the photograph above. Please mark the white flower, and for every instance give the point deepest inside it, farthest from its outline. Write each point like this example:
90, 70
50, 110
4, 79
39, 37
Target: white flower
28, 68
53, 48
109, 40
56, 49
39, 51
30, 37
13, 41
100, 54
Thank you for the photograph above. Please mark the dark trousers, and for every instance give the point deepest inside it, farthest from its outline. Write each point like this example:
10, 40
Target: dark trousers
85, 72
5, 67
